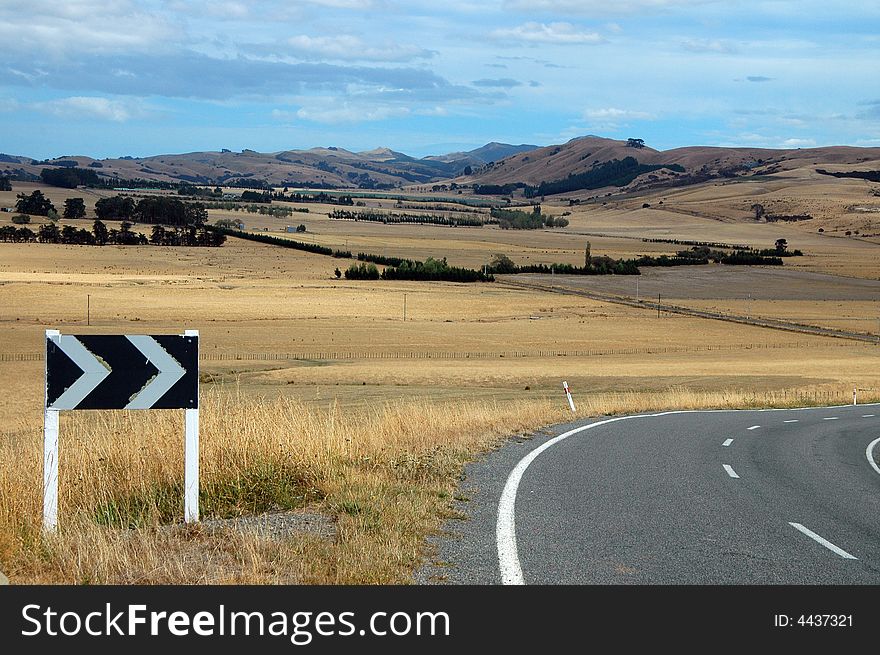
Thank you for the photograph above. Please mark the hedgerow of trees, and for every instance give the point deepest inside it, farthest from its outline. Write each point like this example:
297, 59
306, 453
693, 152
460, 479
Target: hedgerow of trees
100, 235
412, 219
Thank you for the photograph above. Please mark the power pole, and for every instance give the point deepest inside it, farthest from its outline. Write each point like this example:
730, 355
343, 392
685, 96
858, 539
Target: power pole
658, 305
88, 309
637, 289
404, 307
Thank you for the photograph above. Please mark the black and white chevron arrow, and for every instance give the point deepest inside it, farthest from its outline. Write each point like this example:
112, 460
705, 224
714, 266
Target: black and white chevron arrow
122, 372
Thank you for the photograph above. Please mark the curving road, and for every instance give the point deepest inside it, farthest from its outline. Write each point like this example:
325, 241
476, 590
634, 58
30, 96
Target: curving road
728, 497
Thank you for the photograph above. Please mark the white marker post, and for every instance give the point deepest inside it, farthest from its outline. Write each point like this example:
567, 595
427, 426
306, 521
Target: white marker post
50, 459
854, 396
191, 459
568, 395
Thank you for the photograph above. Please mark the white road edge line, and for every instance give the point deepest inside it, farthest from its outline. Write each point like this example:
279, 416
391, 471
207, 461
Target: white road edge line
793, 420
754, 427
812, 535
730, 471
868, 415
505, 526
869, 453
727, 442
830, 418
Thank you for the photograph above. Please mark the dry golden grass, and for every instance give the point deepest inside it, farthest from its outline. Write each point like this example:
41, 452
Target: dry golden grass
855, 316
385, 476
364, 434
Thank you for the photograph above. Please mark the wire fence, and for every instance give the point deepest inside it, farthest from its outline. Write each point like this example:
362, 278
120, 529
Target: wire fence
334, 355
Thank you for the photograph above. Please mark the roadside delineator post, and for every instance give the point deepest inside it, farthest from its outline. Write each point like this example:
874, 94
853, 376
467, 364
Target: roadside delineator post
568, 395
854, 396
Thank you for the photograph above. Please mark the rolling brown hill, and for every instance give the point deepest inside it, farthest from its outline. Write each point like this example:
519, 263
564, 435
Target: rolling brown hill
332, 167
700, 163
384, 168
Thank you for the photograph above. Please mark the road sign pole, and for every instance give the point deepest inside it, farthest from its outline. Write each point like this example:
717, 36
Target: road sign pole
191, 459
50, 470
50, 457
191, 467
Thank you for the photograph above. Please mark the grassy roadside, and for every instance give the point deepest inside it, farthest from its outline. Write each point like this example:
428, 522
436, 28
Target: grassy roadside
385, 476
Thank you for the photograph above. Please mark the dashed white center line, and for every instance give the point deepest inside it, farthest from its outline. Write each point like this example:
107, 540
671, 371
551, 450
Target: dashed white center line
812, 535
730, 471
727, 442
791, 420
754, 427
867, 415
830, 418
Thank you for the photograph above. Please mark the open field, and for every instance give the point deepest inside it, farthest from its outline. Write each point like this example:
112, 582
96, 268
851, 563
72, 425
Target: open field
760, 292
320, 398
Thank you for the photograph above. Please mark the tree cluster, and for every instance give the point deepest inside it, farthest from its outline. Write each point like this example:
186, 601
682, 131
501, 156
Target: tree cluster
35, 204
69, 178
515, 219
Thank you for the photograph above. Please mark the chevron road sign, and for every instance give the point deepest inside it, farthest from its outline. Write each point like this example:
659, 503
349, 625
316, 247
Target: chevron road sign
121, 372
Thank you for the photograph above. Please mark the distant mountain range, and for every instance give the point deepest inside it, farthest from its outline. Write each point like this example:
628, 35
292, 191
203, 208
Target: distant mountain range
582, 164
331, 167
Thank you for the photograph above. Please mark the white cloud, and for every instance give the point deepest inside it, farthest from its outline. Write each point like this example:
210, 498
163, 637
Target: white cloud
721, 46
352, 48
432, 111
228, 10
502, 83
601, 7
553, 33
798, 143
615, 114
117, 111
49, 26
283, 115
334, 111
344, 4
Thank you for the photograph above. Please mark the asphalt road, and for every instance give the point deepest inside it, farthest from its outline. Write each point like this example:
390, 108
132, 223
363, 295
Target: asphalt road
738, 497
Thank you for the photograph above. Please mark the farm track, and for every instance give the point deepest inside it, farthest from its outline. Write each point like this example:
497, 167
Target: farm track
772, 323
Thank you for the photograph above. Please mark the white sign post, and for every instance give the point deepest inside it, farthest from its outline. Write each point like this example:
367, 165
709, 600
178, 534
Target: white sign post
568, 395
50, 458
120, 372
191, 459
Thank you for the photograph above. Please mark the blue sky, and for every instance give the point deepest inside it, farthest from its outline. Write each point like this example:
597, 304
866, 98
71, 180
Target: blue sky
139, 77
